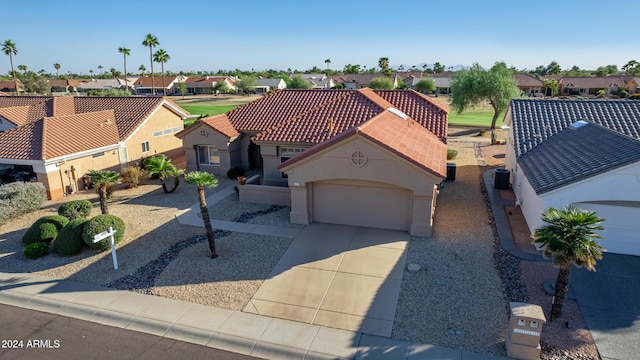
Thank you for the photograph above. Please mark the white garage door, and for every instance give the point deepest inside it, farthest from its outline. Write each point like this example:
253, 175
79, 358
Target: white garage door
622, 227
370, 205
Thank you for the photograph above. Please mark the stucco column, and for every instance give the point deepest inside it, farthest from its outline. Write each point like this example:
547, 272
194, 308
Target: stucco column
421, 221
300, 204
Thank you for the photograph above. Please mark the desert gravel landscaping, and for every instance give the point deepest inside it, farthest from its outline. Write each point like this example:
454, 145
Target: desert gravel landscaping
458, 299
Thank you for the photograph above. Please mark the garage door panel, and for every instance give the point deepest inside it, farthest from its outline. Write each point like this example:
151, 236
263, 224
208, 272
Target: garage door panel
356, 204
622, 227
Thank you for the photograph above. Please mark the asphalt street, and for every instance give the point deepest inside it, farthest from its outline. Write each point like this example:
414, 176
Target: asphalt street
28, 334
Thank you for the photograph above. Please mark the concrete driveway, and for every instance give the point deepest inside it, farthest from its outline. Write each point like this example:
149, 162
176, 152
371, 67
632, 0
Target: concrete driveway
609, 301
338, 276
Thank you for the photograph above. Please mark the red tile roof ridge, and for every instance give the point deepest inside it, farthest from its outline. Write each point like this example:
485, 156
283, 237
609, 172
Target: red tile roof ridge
221, 124
371, 95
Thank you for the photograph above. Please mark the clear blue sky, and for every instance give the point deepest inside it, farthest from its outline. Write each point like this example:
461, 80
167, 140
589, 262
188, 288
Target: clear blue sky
262, 34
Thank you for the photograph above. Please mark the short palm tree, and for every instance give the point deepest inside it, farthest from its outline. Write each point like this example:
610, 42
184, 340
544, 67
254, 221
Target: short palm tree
142, 69
162, 57
163, 168
151, 41
569, 238
103, 179
23, 68
126, 52
202, 179
100, 67
9, 48
57, 67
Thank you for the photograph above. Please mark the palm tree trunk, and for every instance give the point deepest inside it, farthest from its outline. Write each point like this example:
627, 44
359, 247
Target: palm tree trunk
164, 88
207, 222
560, 293
126, 86
103, 199
13, 72
152, 80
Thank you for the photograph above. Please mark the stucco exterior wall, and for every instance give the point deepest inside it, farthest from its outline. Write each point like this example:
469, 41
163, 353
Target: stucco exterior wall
204, 135
163, 119
262, 194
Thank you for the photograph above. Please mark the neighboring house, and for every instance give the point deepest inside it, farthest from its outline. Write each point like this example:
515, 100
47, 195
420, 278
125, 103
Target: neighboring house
264, 86
57, 140
580, 152
318, 81
530, 85
204, 85
633, 84
8, 86
106, 84
358, 157
65, 87
355, 81
590, 86
143, 86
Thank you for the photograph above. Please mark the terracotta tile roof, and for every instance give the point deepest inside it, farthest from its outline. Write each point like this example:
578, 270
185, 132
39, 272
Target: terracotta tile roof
18, 115
427, 112
58, 83
277, 108
157, 82
39, 106
526, 80
207, 80
585, 82
22, 143
362, 79
9, 85
403, 137
221, 124
61, 135
63, 106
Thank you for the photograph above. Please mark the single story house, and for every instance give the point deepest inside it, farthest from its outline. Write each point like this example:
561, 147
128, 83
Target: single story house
578, 152
318, 81
106, 84
145, 86
530, 85
204, 85
56, 140
65, 86
360, 157
265, 85
8, 86
590, 86
355, 81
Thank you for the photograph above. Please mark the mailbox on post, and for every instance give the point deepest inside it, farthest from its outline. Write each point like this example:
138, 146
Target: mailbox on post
523, 333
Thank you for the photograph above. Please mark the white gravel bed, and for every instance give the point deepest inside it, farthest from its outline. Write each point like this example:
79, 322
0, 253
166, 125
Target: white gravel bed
230, 280
456, 299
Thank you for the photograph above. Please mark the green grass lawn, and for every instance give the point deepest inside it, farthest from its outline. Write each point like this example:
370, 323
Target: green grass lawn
211, 109
477, 117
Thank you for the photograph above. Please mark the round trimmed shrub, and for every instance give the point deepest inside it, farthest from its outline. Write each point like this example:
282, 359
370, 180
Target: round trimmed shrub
75, 209
69, 241
234, 172
36, 250
99, 224
39, 232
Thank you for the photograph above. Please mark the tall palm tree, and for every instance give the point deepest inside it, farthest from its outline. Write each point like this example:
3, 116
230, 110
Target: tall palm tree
142, 69
327, 61
383, 63
100, 67
151, 41
569, 238
202, 179
103, 179
163, 168
9, 48
126, 52
162, 57
91, 73
57, 67
23, 68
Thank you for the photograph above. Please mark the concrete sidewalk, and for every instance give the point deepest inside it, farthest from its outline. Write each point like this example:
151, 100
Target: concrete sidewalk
235, 331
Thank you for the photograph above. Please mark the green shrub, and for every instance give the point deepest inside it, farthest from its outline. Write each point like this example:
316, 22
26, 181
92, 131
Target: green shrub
451, 154
20, 198
623, 93
634, 96
234, 172
76, 209
39, 232
99, 224
132, 176
36, 250
69, 241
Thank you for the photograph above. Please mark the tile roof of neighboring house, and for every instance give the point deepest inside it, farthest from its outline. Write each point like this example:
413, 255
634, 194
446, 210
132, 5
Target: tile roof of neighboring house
53, 137
127, 113
18, 115
273, 83
526, 80
311, 76
221, 124
362, 79
157, 81
442, 82
210, 79
586, 82
58, 83
403, 137
312, 116
100, 84
578, 152
8, 84
535, 120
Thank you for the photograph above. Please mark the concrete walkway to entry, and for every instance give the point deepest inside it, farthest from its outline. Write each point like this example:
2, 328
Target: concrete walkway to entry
339, 276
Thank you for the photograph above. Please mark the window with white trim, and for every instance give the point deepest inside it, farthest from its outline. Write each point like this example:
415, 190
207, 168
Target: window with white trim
208, 155
145, 147
287, 153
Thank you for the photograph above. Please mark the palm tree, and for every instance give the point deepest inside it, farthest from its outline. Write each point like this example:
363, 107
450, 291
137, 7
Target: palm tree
328, 61
202, 179
23, 68
100, 67
142, 69
163, 168
57, 67
91, 73
103, 179
126, 52
162, 57
383, 63
151, 41
569, 238
9, 48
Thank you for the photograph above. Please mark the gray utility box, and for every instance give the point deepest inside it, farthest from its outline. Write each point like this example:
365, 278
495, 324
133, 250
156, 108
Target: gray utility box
523, 333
